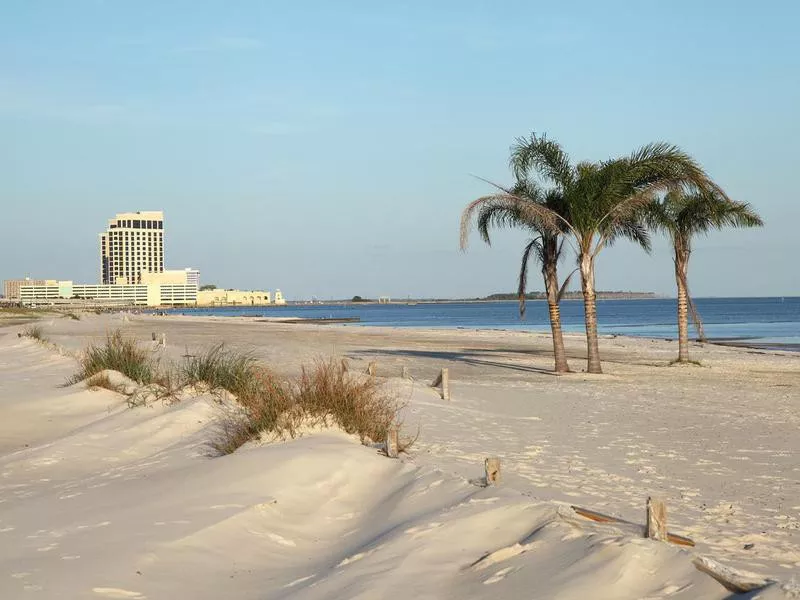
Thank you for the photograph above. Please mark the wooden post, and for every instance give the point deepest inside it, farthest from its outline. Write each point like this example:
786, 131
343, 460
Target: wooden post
163, 340
445, 384
404, 373
442, 381
656, 519
345, 368
371, 369
392, 442
154, 336
492, 467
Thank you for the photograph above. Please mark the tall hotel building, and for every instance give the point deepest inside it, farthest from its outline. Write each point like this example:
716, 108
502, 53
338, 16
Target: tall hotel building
133, 242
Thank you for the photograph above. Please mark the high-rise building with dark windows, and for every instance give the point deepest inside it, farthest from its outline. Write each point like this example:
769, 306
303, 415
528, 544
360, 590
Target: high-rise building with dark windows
133, 243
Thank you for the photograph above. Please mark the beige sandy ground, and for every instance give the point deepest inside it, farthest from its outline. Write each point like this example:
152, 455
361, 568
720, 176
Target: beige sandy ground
101, 501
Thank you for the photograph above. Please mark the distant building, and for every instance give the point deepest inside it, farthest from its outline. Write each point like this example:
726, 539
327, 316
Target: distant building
11, 286
279, 297
219, 297
133, 243
193, 277
137, 294
170, 277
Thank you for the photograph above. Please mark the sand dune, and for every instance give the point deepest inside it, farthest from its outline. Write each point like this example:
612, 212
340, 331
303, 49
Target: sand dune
98, 500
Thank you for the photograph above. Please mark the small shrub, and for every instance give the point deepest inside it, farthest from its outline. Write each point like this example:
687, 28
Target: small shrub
325, 394
355, 403
101, 380
117, 354
233, 432
35, 332
221, 368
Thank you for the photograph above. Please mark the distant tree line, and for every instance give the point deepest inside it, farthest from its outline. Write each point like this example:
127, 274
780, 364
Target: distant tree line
572, 295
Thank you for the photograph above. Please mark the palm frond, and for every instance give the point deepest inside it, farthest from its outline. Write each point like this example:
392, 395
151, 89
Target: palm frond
699, 211
543, 156
533, 246
507, 209
563, 289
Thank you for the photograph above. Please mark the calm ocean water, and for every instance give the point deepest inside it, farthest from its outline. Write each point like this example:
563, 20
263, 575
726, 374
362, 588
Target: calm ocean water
759, 321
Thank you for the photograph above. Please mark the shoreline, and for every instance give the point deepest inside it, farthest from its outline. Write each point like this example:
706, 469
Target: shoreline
734, 342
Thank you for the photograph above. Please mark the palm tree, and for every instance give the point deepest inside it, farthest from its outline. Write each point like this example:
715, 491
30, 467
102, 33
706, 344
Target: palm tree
514, 208
682, 216
605, 201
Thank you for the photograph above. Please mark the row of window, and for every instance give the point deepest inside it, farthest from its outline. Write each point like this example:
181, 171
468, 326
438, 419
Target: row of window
137, 224
137, 235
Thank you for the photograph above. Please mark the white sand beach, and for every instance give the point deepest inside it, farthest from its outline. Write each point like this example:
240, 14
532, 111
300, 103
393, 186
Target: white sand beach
99, 500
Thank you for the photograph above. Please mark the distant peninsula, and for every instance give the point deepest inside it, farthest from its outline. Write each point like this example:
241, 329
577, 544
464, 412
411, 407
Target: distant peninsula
497, 297
576, 296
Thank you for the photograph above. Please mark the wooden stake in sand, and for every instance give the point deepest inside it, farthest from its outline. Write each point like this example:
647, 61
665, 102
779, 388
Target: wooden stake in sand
371, 369
392, 442
656, 519
443, 380
345, 366
604, 518
492, 466
404, 373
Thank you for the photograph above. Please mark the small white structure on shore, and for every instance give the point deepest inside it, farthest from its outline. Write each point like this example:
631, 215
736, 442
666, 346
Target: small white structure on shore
219, 297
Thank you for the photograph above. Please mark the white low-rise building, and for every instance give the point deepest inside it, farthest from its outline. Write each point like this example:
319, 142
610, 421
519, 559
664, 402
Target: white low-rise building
139, 294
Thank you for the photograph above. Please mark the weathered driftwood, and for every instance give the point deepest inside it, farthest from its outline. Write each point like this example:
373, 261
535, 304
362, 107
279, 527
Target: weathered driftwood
603, 518
392, 443
492, 467
736, 582
656, 519
442, 381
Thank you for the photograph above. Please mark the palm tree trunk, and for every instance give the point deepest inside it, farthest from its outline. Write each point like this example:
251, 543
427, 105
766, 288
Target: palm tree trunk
681, 264
590, 313
551, 287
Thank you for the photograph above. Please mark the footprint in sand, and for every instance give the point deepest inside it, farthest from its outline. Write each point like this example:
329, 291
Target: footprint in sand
281, 540
298, 581
499, 576
118, 593
420, 530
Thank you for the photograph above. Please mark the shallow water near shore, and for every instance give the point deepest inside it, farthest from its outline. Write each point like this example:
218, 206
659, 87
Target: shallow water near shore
770, 323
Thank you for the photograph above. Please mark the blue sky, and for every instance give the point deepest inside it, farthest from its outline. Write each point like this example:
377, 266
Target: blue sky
326, 148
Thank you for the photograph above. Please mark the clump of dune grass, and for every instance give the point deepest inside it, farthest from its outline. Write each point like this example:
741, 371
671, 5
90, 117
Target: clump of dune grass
266, 406
102, 380
35, 332
221, 368
325, 394
118, 353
